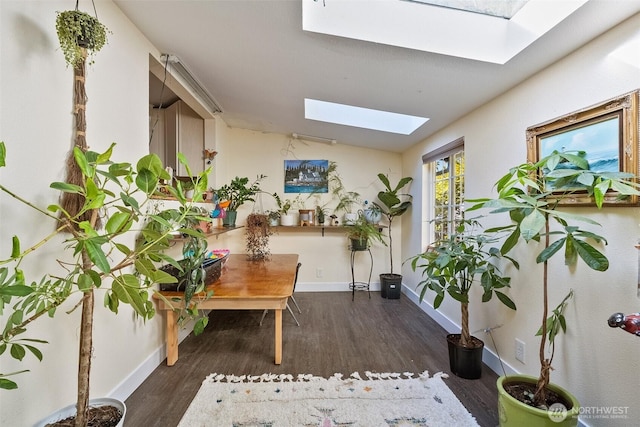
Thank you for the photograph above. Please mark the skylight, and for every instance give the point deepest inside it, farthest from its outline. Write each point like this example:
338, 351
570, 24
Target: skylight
437, 29
361, 117
500, 8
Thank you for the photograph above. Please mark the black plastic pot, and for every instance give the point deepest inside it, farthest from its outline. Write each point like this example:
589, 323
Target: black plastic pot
465, 362
390, 285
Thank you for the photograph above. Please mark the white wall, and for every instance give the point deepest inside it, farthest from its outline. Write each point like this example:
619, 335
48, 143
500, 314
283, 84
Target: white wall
598, 364
36, 123
249, 153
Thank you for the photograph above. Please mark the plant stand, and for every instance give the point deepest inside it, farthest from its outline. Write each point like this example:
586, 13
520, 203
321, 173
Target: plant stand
359, 285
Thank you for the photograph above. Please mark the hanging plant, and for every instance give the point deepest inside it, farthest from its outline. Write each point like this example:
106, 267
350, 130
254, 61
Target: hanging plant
78, 31
258, 232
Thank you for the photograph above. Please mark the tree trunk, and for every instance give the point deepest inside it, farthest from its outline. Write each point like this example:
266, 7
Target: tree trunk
464, 335
84, 357
540, 395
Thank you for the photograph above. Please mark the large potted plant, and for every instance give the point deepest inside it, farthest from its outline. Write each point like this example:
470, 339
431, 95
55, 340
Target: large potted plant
94, 258
392, 203
531, 195
237, 193
451, 267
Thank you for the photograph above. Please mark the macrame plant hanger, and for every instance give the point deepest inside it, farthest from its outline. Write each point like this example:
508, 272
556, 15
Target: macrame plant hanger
72, 203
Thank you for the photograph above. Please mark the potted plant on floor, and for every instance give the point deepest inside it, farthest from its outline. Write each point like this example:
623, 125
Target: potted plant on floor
531, 194
362, 233
95, 258
451, 267
392, 204
237, 192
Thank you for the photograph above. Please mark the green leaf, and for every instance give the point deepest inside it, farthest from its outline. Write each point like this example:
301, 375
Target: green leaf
147, 181
16, 290
15, 247
17, 351
200, 324
591, 256
127, 289
37, 353
67, 188
97, 256
82, 162
118, 222
85, 282
505, 300
531, 225
3, 154
5, 383
106, 156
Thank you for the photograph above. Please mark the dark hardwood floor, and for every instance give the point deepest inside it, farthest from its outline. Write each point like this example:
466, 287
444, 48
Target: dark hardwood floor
335, 335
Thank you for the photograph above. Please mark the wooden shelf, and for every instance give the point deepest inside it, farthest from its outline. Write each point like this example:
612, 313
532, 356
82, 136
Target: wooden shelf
216, 231
313, 228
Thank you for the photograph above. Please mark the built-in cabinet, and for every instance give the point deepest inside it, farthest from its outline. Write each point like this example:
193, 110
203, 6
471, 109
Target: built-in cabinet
181, 131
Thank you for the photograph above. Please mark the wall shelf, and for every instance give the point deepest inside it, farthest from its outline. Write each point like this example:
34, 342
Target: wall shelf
215, 231
314, 228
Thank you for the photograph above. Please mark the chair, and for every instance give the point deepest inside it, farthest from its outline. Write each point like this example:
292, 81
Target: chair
295, 281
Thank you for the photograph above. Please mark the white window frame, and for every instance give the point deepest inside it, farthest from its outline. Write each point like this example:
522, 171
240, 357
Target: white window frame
455, 206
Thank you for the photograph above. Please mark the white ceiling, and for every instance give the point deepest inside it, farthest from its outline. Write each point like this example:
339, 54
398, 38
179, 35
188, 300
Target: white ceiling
259, 65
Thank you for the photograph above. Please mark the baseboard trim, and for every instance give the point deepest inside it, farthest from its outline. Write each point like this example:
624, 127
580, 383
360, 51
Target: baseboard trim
128, 385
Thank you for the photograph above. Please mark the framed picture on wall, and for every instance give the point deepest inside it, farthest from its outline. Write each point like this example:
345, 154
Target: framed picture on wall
306, 176
605, 134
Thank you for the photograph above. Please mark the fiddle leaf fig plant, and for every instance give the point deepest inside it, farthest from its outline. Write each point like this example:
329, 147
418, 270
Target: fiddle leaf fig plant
95, 259
393, 203
532, 194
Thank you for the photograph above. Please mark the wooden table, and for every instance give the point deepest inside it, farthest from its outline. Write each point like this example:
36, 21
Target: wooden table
243, 285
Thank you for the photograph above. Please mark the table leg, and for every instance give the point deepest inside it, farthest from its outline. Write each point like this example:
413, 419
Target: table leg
278, 333
172, 338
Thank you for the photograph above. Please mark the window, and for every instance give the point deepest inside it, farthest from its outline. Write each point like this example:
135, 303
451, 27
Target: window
443, 179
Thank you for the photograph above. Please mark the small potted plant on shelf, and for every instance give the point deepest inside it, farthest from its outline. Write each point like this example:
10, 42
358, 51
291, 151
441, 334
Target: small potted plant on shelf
362, 233
531, 194
393, 203
451, 267
346, 200
237, 193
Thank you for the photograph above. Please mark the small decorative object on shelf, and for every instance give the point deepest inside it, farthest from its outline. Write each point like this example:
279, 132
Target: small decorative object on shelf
306, 217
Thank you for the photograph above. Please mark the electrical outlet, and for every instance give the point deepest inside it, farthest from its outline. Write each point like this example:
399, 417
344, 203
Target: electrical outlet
319, 273
520, 350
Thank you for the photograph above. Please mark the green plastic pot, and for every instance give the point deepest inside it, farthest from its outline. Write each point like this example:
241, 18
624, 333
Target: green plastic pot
513, 413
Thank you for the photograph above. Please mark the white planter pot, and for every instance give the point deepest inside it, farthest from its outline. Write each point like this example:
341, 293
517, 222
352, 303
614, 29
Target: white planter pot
350, 218
288, 220
70, 411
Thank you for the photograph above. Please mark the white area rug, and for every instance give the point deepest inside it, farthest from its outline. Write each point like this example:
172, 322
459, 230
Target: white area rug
282, 400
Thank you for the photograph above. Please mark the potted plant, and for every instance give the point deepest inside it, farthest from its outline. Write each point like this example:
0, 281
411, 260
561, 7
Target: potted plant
392, 204
237, 193
79, 34
284, 206
95, 259
361, 233
372, 212
451, 267
346, 199
531, 194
